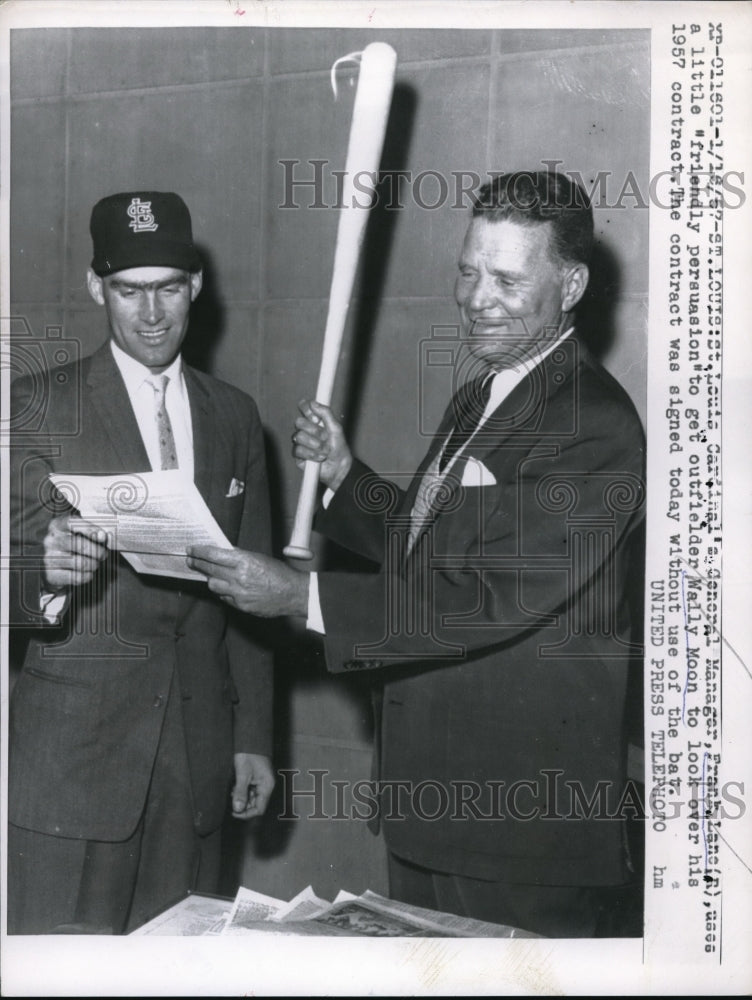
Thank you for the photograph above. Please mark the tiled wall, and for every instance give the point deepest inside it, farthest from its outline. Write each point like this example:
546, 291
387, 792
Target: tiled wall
211, 113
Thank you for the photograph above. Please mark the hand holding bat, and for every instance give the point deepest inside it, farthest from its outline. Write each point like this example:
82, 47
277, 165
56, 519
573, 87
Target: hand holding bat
319, 438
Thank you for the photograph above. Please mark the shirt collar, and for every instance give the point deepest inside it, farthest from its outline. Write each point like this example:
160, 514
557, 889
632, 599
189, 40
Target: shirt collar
135, 374
505, 379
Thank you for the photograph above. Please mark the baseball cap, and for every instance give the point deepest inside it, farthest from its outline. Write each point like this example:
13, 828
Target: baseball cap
142, 229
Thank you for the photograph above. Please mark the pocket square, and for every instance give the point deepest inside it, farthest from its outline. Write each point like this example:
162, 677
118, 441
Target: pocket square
236, 488
476, 473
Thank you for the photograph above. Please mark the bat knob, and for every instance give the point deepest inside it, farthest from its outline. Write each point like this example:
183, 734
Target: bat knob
297, 552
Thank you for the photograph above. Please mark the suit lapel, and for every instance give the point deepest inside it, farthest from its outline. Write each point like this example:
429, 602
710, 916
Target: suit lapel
516, 421
519, 416
206, 436
110, 400
117, 420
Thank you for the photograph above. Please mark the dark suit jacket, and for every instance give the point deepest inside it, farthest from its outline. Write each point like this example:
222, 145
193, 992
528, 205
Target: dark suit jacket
87, 708
504, 640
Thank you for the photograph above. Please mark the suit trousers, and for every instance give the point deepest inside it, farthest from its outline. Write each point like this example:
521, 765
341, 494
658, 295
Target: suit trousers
63, 885
549, 910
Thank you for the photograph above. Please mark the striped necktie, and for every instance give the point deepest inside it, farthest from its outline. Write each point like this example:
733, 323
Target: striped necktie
469, 405
424, 505
168, 455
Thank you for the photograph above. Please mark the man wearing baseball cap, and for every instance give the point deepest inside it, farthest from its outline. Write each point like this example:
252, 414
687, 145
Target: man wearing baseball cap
143, 707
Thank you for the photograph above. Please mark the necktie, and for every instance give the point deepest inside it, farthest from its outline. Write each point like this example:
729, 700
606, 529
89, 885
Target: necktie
469, 404
423, 510
168, 455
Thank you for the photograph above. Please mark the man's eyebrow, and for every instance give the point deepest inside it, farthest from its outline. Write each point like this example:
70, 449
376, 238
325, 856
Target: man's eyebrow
505, 272
179, 279
497, 272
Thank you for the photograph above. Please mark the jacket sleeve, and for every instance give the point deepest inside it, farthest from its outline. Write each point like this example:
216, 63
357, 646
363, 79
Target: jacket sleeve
32, 504
249, 651
527, 554
356, 517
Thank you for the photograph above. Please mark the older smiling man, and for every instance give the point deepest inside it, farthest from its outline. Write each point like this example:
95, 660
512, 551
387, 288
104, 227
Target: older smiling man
499, 622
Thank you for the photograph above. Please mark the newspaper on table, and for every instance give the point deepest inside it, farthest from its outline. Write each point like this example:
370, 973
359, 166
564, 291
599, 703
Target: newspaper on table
196, 915
367, 915
151, 517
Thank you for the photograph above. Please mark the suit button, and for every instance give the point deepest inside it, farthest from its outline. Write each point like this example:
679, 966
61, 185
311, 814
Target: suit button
158, 701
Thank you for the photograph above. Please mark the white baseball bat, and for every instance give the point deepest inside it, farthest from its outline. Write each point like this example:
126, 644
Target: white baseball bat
370, 113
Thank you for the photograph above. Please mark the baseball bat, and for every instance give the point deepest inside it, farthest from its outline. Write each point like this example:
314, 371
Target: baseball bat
367, 129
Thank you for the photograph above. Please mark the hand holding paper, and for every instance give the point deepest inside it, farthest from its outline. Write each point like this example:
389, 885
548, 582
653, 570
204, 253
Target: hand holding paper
151, 517
252, 582
73, 551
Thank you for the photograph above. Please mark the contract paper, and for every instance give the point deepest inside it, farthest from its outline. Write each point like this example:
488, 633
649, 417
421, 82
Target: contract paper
150, 517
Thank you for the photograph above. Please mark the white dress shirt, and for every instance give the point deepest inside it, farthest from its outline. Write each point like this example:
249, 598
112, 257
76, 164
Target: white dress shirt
504, 381
138, 379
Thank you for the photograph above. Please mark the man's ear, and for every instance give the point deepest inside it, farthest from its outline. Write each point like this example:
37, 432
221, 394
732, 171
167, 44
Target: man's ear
573, 286
197, 280
96, 288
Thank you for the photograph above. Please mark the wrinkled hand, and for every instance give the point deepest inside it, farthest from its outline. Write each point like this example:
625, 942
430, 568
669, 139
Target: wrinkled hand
73, 551
254, 783
319, 438
252, 582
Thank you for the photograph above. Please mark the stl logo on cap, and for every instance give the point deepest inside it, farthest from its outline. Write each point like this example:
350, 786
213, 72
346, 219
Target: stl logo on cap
142, 219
